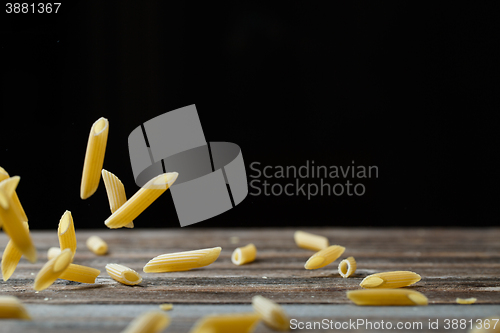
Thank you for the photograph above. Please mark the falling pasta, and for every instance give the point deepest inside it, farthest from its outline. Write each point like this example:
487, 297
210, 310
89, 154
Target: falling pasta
182, 261
66, 232
387, 297
324, 257
227, 323
347, 267
272, 313
79, 273
309, 241
97, 245
123, 274
116, 192
395, 279
52, 270
244, 255
10, 258
4, 175
12, 308
149, 322
94, 157
141, 200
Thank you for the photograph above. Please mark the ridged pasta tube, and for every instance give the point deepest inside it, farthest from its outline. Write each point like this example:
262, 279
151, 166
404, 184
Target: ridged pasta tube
123, 274
227, 323
97, 245
272, 313
52, 270
324, 257
79, 273
10, 258
66, 232
94, 157
244, 255
4, 175
12, 308
309, 241
182, 261
141, 200
395, 279
347, 267
387, 297
149, 322
115, 191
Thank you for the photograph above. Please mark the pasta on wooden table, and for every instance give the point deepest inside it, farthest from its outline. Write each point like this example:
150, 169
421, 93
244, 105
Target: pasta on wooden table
94, 157
324, 257
347, 267
52, 270
53, 252
310, 241
97, 245
66, 232
166, 306
10, 258
244, 255
123, 274
272, 313
4, 175
11, 219
471, 300
12, 308
141, 200
396, 279
387, 297
116, 192
182, 261
149, 322
79, 273
227, 323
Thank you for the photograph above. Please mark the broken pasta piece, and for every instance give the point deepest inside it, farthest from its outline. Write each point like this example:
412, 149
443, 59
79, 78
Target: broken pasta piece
12, 308
123, 274
97, 245
149, 322
395, 279
272, 313
79, 273
386, 297
182, 261
324, 257
471, 300
227, 323
10, 258
66, 232
166, 306
347, 267
244, 255
309, 241
52, 270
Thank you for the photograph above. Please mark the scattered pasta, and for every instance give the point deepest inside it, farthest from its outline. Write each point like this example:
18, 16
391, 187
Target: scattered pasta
116, 192
149, 322
309, 241
395, 279
272, 313
52, 270
97, 245
141, 200
12, 308
94, 157
123, 274
4, 175
166, 306
324, 257
10, 258
227, 323
244, 255
471, 300
387, 297
347, 267
182, 261
66, 232
53, 252
79, 273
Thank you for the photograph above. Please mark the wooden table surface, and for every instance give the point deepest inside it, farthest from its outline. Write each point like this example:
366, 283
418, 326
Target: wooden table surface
452, 262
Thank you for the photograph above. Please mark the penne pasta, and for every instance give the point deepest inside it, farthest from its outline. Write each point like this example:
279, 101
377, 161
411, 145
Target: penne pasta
347, 267
166, 306
395, 279
94, 157
79, 273
387, 297
244, 255
324, 257
52, 270
309, 241
53, 252
66, 232
272, 313
4, 175
141, 200
97, 245
12, 308
11, 219
182, 261
115, 191
149, 322
471, 300
123, 274
227, 323
10, 258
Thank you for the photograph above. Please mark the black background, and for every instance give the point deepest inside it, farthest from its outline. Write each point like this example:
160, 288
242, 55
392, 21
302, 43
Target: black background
408, 87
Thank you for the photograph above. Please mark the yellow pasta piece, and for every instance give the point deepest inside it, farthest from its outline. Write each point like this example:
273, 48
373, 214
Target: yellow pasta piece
116, 192
94, 157
66, 232
166, 306
309, 241
97, 245
79, 273
149, 322
11, 219
244, 255
53, 252
10, 258
227, 323
395, 279
52, 270
272, 313
324, 257
4, 175
471, 300
387, 297
182, 261
347, 267
141, 200
12, 308
123, 274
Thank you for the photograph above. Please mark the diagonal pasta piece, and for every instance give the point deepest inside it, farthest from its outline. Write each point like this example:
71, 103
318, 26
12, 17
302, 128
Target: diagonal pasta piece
12, 221
149, 322
66, 232
244, 255
182, 261
324, 257
387, 297
79, 273
53, 252
309, 241
94, 157
10, 258
272, 313
52, 270
396, 279
141, 200
4, 175
12, 308
227, 323
97, 245
116, 192
347, 267
123, 274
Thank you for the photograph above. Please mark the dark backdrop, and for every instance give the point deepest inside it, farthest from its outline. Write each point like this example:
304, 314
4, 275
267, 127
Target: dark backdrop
408, 87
